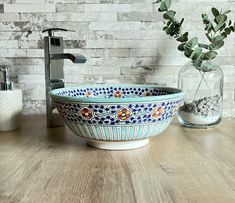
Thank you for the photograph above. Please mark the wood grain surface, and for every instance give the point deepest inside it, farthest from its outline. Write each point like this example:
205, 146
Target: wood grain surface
181, 165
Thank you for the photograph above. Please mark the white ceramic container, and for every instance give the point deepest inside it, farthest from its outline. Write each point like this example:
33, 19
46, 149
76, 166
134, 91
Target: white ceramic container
10, 109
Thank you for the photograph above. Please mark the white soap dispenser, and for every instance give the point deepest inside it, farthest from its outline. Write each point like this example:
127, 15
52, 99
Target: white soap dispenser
10, 103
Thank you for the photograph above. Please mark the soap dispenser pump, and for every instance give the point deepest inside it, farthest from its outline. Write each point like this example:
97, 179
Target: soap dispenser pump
5, 84
10, 102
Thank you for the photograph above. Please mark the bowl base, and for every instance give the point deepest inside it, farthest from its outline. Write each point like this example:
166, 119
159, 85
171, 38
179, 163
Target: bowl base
118, 145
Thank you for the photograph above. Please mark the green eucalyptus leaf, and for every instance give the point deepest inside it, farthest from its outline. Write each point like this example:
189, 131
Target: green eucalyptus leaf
181, 47
232, 28
199, 56
215, 11
217, 45
197, 63
170, 28
169, 15
226, 12
209, 55
227, 30
165, 5
217, 19
196, 53
205, 46
188, 52
173, 29
183, 38
176, 31
229, 23
207, 67
168, 3
224, 34
205, 19
168, 23
218, 38
164, 28
191, 43
221, 19
209, 27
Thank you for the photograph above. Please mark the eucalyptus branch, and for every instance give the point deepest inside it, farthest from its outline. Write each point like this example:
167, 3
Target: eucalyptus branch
198, 87
216, 30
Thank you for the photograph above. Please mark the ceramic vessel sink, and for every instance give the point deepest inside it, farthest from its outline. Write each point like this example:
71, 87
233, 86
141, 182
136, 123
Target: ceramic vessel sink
117, 117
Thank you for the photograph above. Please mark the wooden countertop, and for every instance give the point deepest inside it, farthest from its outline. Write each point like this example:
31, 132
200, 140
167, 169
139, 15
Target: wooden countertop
53, 165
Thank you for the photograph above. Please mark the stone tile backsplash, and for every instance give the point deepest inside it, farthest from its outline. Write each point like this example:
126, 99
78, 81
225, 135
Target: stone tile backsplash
122, 40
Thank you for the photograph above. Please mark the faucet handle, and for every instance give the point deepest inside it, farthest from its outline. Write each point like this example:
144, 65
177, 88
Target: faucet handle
51, 30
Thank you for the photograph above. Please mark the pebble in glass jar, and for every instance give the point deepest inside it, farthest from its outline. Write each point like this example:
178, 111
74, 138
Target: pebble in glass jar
203, 104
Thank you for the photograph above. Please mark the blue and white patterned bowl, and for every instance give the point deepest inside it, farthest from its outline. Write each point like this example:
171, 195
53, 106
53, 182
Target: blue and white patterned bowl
117, 116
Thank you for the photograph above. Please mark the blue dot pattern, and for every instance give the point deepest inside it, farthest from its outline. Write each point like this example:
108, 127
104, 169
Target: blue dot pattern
110, 92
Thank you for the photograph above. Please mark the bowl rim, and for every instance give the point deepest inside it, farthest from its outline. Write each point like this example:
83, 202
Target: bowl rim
54, 94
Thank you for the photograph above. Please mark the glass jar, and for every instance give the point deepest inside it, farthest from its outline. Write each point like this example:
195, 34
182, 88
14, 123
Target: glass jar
203, 84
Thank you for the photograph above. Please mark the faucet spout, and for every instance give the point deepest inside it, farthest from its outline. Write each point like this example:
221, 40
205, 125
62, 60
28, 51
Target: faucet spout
75, 58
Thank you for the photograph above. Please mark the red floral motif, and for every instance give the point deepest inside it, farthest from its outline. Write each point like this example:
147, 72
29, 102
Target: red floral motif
157, 112
88, 94
117, 94
62, 110
123, 114
86, 113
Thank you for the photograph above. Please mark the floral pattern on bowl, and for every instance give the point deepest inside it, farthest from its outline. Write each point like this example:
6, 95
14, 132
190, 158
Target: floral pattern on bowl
112, 114
117, 112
